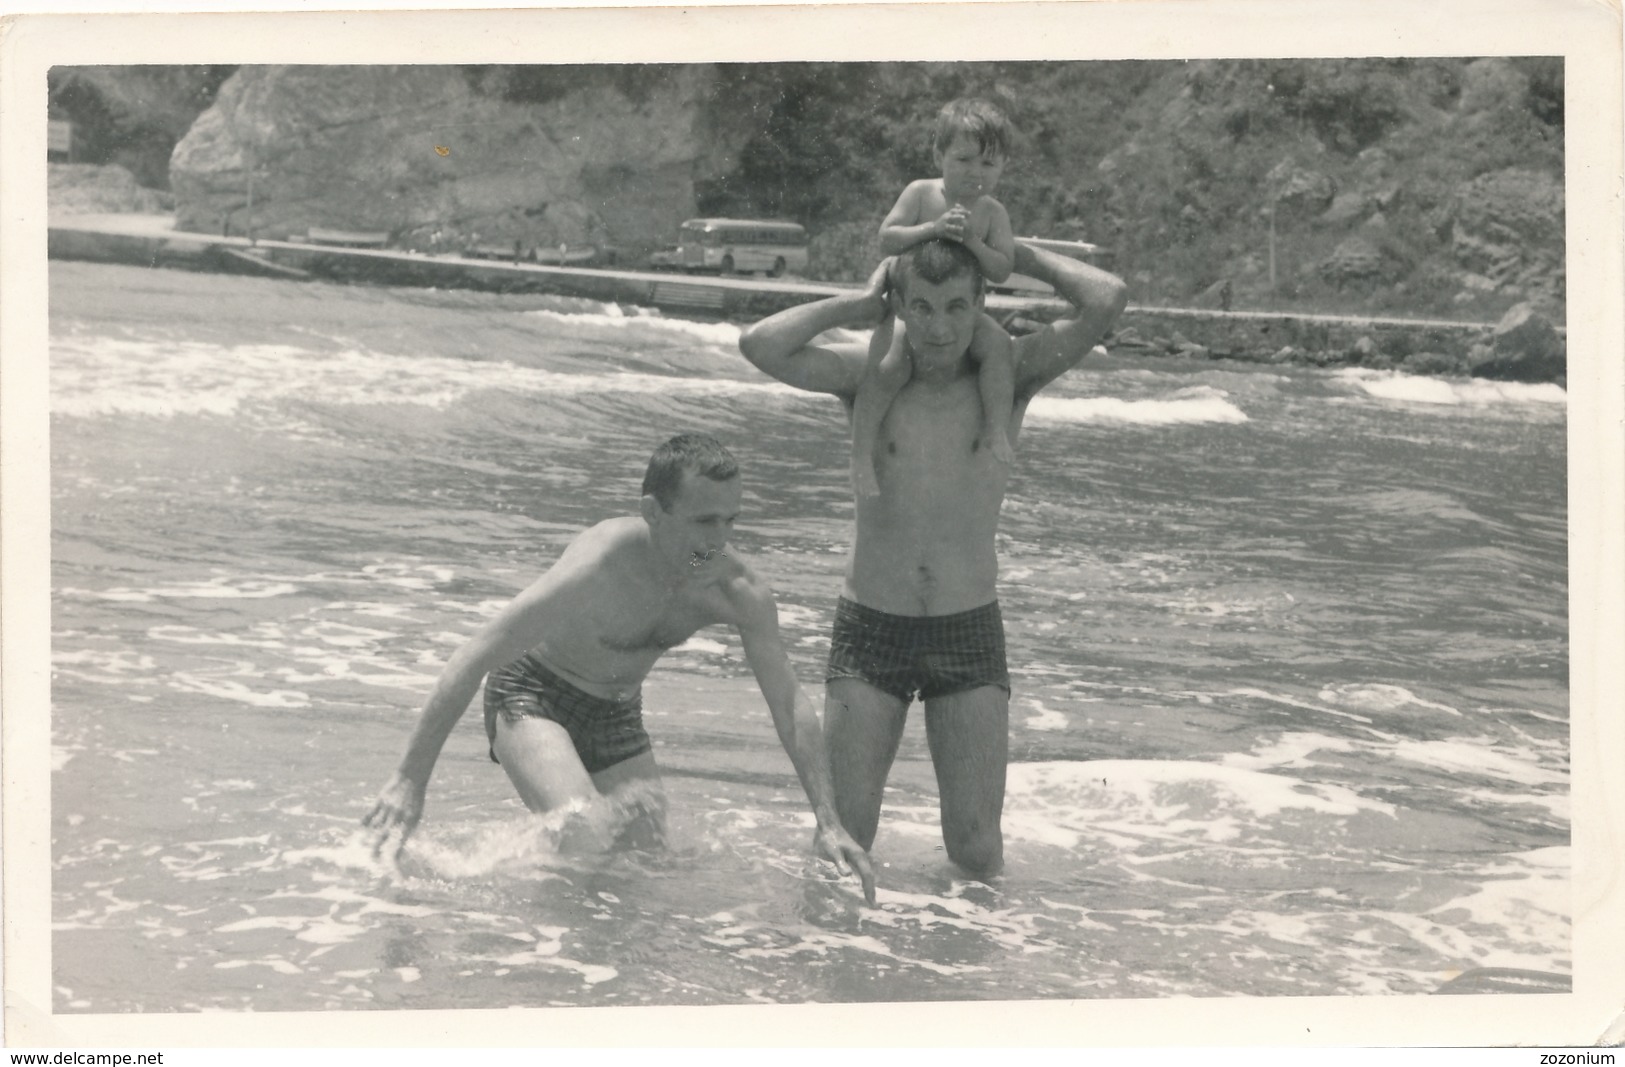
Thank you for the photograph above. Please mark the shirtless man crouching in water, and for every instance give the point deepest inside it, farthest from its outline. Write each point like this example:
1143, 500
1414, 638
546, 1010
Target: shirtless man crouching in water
567, 657
920, 613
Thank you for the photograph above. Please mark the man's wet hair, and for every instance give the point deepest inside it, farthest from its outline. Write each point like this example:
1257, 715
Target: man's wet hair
977, 119
937, 260
696, 453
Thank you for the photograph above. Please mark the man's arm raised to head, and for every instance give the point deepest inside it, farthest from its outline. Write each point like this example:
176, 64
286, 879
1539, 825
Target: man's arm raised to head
1097, 299
756, 616
781, 344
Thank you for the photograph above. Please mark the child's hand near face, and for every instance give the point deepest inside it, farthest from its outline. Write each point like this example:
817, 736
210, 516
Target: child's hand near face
953, 223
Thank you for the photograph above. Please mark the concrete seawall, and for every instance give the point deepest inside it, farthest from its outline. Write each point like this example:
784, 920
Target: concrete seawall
1319, 339
1419, 345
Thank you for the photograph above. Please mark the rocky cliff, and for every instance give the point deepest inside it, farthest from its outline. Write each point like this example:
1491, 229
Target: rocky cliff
446, 157
1429, 186
1418, 187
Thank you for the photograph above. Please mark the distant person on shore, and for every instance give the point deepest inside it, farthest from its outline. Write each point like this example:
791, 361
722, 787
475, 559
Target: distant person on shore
919, 614
567, 657
971, 147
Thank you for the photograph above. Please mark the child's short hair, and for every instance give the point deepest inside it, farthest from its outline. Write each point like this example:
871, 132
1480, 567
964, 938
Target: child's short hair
974, 118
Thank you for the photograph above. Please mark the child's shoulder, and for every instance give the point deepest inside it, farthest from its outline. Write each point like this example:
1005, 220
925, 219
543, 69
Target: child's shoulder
923, 187
988, 204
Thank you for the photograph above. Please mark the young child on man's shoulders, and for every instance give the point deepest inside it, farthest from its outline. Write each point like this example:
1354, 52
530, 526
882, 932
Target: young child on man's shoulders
971, 147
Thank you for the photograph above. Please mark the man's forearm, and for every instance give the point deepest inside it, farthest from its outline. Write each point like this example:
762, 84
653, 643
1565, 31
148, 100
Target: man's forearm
803, 740
1087, 288
777, 338
445, 706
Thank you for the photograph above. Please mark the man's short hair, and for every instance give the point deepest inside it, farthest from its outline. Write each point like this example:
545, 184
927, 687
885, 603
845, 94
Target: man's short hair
977, 119
936, 261
696, 453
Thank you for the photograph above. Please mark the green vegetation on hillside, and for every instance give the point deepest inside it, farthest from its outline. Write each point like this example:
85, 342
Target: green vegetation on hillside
1176, 167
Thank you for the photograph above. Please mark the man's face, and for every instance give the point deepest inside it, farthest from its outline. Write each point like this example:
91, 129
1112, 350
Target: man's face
694, 532
940, 317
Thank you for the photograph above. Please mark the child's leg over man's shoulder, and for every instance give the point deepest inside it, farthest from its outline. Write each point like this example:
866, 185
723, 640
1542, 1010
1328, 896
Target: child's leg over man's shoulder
993, 352
991, 339
894, 368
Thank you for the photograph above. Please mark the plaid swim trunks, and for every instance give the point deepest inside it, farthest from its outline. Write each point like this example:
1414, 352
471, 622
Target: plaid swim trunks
605, 732
932, 655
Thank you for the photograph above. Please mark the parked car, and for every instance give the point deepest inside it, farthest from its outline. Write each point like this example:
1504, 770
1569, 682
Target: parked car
667, 258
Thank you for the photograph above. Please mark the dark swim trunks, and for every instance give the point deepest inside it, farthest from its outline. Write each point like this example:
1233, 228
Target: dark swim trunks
605, 732
934, 655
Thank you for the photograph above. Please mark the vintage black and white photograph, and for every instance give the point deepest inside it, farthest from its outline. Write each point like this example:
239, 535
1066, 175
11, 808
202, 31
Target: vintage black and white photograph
672, 533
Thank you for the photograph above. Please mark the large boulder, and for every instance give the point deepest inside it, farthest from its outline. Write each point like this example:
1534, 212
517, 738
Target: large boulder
1524, 347
1346, 208
1300, 189
438, 159
1354, 259
1492, 84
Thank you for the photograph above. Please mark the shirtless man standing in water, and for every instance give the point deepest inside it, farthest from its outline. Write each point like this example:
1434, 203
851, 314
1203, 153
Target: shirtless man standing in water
567, 657
920, 612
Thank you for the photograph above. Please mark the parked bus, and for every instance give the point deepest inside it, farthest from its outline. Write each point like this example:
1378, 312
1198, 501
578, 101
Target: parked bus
743, 245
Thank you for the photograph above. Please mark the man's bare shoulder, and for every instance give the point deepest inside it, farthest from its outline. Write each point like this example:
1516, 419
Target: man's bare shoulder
602, 541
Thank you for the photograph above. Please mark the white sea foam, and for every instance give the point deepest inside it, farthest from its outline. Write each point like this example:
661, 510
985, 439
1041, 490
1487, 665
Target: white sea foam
1373, 696
1393, 385
238, 692
224, 587
544, 951
1556, 804
187, 635
702, 645
1046, 718
720, 334
1465, 755
1277, 698
103, 665
739, 939
1185, 406
169, 378
1287, 750
1522, 903
1125, 802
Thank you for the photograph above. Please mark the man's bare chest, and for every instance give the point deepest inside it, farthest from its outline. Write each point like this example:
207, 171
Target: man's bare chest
943, 422
648, 621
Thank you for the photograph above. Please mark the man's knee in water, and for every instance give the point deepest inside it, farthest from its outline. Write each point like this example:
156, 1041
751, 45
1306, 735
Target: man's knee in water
978, 848
640, 807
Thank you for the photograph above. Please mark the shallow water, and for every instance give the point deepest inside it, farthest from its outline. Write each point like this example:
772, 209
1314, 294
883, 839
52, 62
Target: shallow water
1289, 645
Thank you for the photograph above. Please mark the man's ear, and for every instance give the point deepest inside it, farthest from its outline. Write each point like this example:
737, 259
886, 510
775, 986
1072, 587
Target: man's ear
649, 507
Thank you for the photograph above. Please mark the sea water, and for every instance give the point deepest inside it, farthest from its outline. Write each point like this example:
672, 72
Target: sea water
1289, 654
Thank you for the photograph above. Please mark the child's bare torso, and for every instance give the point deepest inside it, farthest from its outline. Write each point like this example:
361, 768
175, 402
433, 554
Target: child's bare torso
930, 202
